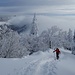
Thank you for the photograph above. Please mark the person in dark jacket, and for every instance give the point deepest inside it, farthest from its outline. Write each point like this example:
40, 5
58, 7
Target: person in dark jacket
57, 53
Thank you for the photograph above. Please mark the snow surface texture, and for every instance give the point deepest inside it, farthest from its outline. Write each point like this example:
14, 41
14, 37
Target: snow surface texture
40, 63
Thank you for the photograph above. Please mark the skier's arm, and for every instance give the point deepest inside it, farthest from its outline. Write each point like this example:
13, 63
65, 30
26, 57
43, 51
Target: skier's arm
54, 51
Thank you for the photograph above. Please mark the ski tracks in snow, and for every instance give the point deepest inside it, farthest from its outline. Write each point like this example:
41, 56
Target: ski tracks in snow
43, 66
46, 67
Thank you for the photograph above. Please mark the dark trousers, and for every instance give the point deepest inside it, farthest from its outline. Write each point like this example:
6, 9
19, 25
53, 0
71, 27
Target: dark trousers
57, 56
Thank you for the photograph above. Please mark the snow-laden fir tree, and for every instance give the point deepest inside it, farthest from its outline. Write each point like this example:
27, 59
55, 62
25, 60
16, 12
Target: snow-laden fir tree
70, 39
53, 38
73, 48
70, 36
34, 29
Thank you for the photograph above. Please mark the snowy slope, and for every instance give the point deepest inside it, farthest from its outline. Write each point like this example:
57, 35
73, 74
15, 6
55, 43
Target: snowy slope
40, 63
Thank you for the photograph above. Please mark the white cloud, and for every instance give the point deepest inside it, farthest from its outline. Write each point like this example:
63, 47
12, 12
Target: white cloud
63, 22
20, 20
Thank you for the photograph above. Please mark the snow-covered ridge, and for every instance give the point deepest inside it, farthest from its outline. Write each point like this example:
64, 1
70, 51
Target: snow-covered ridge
40, 63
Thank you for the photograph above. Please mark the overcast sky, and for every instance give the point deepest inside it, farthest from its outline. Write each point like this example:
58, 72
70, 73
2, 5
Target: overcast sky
52, 12
59, 7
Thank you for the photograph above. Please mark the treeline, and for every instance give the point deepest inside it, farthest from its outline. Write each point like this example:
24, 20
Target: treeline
12, 45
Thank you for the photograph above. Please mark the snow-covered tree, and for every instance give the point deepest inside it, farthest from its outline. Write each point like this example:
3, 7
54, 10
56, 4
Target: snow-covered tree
73, 48
44, 41
10, 43
70, 36
53, 32
64, 39
70, 39
34, 27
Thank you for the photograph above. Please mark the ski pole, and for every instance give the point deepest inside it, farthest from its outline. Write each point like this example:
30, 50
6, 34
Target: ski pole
54, 56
